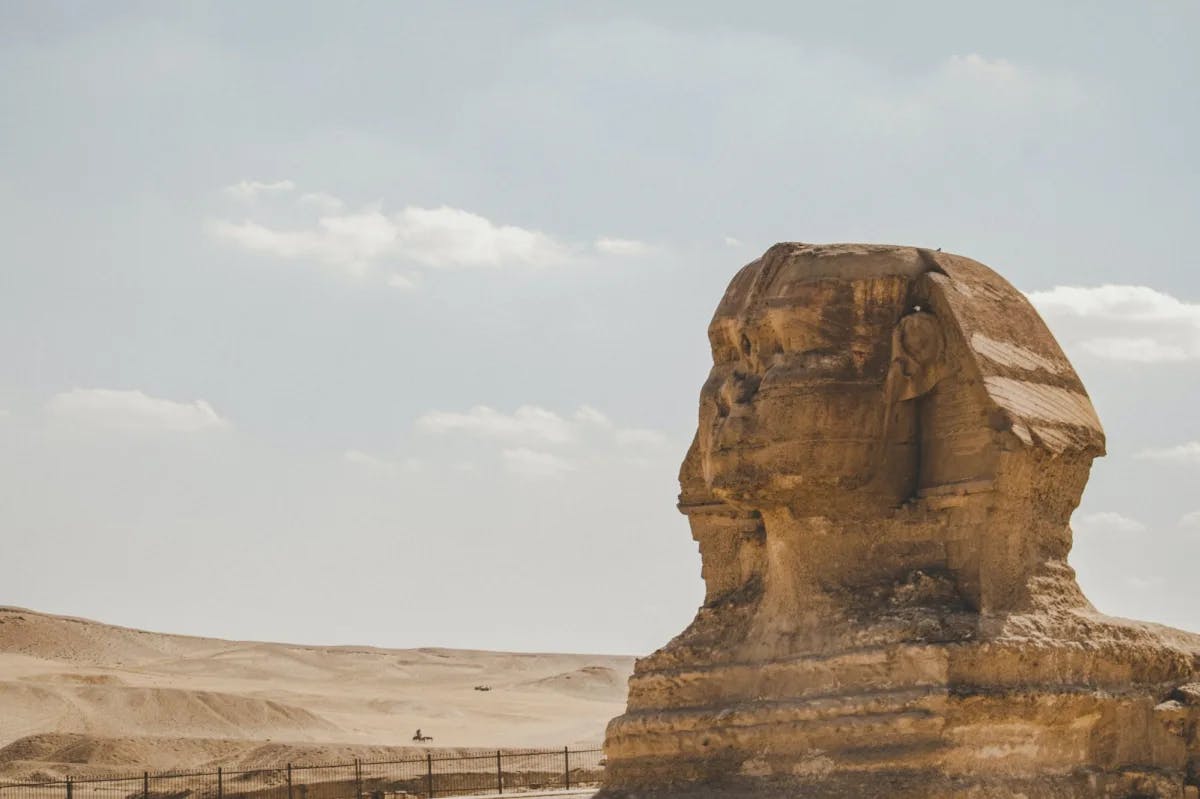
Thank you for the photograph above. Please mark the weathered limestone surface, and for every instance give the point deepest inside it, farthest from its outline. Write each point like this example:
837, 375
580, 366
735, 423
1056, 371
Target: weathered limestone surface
890, 446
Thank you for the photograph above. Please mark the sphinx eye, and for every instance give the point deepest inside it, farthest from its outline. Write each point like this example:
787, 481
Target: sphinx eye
746, 348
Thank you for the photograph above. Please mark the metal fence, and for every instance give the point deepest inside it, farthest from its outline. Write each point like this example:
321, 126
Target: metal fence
501, 772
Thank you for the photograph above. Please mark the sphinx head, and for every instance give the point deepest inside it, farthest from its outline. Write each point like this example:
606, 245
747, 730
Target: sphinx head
852, 381
849, 379
817, 356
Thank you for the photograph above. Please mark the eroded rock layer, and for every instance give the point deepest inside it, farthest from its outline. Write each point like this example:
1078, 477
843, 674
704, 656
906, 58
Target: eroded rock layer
890, 446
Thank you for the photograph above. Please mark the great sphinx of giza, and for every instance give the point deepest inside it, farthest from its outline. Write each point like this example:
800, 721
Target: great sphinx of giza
890, 446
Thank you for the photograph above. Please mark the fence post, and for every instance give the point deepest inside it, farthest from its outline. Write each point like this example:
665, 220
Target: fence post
70, 791
429, 774
357, 778
145, 785
566, 768
499, 774
220, 783
289, 781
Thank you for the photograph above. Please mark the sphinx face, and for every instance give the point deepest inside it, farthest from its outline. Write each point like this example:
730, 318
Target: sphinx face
802, 406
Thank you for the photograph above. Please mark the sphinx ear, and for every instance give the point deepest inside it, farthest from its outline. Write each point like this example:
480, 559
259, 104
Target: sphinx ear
918, 350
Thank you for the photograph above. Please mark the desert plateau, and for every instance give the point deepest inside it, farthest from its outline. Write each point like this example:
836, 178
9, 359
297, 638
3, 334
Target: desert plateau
79, 697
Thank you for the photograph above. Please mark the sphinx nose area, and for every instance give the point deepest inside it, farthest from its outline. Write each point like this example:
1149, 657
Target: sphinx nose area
739, 389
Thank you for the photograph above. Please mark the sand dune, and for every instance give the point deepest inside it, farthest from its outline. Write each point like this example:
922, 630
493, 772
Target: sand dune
593, 681
76, 693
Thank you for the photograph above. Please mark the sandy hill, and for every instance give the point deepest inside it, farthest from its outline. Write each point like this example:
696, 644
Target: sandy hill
77, 693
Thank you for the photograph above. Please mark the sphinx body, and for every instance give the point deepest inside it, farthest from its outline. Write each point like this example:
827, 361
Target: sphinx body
890, 446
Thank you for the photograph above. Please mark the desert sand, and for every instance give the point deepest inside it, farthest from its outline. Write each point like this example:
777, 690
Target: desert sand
79, 696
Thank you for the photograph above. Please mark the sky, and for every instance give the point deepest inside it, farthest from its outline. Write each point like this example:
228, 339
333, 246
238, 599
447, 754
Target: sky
384, 323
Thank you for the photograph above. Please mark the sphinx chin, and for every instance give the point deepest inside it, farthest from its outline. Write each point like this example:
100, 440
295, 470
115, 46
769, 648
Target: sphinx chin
888, 607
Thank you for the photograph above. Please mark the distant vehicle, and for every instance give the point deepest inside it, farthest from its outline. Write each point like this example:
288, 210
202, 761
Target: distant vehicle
483, 687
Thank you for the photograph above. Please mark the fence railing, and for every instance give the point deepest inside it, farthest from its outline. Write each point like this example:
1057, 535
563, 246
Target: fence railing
495, 773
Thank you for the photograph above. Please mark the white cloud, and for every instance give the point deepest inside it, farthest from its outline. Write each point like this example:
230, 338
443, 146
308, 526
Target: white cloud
1150, 326
437, 238
1190, 520
626, 437
403, 282
987, 86
536, 424
622, 436
1188, 452
587, 435
379, 464
445, 236
730, 241
527, 422
535, 464
440, 237
1116, 303
1141, 350
114, 409
247, 190
995, 71
1108, 522
322, 201
361, 458
989, 96
621, 247
589, 415
349, 242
